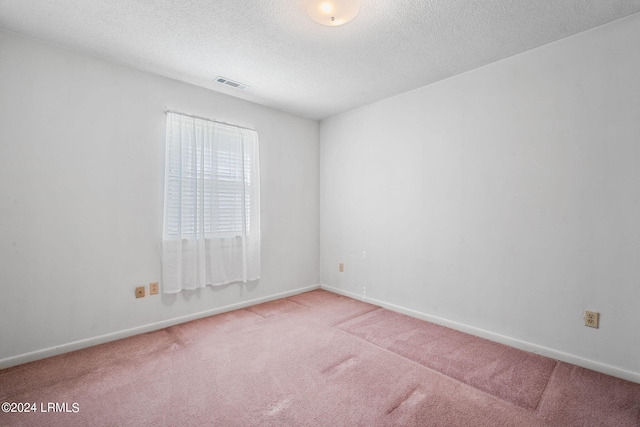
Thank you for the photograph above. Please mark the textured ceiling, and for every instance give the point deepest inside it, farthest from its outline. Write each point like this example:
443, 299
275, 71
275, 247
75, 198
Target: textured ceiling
294, 64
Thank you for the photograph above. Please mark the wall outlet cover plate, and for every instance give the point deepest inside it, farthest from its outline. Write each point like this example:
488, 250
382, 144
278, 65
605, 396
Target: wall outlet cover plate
140, 292
592, 319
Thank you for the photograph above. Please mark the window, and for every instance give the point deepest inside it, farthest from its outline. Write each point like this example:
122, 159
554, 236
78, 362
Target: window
212, 204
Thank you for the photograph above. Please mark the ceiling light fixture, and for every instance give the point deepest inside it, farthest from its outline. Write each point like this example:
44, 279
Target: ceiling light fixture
333, 12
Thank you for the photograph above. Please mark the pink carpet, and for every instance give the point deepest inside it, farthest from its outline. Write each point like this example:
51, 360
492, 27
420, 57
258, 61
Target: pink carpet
505, 372
315, 359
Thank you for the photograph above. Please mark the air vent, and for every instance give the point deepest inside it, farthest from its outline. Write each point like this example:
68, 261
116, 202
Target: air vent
231, 83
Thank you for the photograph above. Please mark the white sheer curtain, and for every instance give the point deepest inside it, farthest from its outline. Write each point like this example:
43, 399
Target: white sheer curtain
211, 204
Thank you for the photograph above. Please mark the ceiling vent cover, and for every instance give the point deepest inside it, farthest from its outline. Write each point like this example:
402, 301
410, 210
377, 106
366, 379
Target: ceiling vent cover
231, 83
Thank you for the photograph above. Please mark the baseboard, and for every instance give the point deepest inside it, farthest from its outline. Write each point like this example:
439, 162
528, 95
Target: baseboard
101, 339
492, 336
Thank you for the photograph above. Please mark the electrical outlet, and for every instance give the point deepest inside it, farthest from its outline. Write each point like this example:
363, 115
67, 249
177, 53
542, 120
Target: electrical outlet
591, 319
140, 292
153, 288
341, 268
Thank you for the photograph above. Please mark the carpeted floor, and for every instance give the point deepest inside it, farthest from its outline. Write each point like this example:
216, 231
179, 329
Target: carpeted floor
314, 359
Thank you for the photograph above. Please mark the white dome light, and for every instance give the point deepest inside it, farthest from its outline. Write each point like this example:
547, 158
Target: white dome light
333, 12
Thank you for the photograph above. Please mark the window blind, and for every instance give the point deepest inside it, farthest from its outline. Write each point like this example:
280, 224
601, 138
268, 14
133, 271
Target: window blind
211, 194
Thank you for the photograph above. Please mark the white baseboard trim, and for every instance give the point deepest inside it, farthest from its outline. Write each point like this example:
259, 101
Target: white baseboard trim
113, 336
502, 339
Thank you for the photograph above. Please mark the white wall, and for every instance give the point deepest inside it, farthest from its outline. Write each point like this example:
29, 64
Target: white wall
81, 196
505, 200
